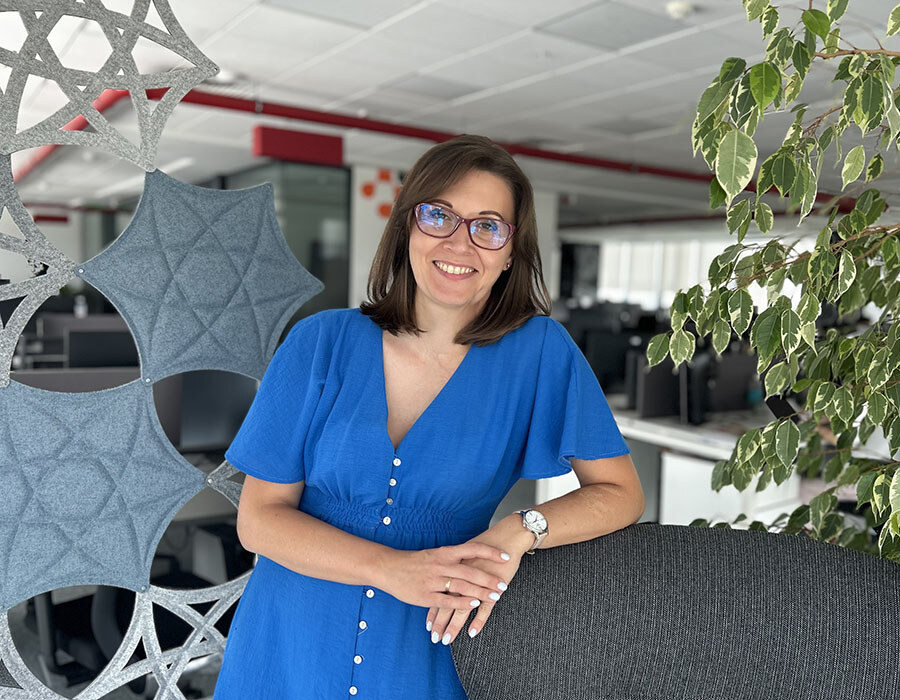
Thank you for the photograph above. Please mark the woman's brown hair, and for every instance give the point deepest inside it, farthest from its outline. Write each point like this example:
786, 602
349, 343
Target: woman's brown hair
517, 295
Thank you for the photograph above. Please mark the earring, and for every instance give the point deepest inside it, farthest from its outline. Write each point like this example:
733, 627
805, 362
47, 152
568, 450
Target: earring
506, 267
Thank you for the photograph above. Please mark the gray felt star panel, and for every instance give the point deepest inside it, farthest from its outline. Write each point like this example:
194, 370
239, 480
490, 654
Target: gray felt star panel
217, 279
88, 501
37, 58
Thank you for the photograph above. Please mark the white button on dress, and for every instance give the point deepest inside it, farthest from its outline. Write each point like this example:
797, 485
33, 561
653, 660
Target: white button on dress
352, 690
393, 481
370, 593
386, 520
389, 500
357, 659
397, 462
362, 624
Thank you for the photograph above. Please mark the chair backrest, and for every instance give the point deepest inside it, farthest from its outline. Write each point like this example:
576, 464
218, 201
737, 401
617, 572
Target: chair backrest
675, 612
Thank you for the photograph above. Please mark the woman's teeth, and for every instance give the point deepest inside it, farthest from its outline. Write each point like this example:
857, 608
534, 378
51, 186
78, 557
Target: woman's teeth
452, 269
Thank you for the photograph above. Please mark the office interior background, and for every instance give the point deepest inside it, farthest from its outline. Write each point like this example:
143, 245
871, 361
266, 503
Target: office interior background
331, 102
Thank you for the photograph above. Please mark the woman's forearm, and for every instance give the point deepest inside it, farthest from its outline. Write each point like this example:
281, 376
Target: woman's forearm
583, 514
310, 546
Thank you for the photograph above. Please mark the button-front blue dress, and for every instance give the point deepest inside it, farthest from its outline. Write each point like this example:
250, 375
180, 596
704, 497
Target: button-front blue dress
517, 408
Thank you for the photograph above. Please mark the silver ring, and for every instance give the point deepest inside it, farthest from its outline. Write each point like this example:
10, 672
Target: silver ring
447, 586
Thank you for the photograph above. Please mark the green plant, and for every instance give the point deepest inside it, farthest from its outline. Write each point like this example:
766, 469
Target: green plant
853, 382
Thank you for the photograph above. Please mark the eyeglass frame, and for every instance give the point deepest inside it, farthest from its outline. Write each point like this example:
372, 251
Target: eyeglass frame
468, 222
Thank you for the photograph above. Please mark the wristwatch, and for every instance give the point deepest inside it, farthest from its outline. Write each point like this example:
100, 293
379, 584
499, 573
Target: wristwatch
535, 521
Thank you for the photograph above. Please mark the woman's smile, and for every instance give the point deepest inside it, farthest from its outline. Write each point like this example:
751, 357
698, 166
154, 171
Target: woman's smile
450, 271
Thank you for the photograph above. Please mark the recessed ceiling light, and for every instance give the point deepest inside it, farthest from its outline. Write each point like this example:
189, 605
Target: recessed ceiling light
679, 9
223, 77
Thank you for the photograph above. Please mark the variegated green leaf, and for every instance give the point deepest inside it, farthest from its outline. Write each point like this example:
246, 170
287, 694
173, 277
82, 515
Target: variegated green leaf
681, 346
737, 215
747, 445
721, 334
881, 492
836, 9
808, 334
755, 8
769, 21
740, 310
844, 403
776, 379
875, 167
657, 349
846, 272
764, 217
853, 165
819, 507
790, 330
765, 82
716, 194
787, 442
817, 22
894, 21
879, 370
809, 307
894, 493
735, 162
877, 407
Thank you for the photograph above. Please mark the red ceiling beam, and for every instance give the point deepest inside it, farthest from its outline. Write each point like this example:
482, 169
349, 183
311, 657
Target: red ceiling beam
110, 97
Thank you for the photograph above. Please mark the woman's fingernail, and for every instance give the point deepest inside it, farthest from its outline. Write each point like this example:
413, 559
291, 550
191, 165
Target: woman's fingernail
494, 596
502, 586
476, 603
504, 555
428, 625
472, 632
434, 637
446, 639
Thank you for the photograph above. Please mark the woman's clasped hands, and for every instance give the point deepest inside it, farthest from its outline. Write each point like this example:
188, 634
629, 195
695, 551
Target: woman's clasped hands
478, 572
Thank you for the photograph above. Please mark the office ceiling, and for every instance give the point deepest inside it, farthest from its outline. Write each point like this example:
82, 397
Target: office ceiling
614, 79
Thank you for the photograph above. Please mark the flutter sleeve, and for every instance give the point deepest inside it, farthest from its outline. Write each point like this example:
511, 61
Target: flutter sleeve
570, 417
269, 444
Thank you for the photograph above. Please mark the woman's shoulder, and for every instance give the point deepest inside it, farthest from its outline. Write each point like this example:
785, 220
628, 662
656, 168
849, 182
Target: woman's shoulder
322, 329
536, 328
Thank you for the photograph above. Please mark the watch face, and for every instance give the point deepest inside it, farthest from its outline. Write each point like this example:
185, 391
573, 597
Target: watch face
536, 519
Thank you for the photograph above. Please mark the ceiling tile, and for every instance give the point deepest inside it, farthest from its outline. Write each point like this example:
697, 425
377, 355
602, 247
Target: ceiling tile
613, 25
524, 13
705, 11
351, 12
432, 86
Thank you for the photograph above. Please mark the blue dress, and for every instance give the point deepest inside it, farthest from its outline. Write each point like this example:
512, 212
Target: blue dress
517, 408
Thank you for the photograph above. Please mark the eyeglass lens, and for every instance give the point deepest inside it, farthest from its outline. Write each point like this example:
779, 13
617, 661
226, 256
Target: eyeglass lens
436, 220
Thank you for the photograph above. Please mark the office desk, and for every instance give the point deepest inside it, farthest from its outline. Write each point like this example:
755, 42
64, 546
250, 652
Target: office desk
675, 462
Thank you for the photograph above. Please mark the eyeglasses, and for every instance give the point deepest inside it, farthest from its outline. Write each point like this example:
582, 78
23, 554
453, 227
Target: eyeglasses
439, 221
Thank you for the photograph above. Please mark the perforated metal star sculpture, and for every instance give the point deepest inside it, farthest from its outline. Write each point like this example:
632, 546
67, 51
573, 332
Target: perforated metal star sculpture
90, 483
33, 291
37, 58
203, 277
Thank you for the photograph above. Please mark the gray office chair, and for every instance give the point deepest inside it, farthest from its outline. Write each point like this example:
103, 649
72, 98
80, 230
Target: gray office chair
672, 612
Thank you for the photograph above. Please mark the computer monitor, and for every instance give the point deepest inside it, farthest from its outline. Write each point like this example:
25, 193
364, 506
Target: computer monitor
213, 406
656, 389
8, 306
99, 348
606, 353
54, 325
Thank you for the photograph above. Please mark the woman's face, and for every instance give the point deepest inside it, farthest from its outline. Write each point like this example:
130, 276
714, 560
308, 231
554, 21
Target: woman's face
478, 193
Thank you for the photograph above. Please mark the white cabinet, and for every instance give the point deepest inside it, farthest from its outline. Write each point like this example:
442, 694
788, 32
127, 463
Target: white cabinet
686, 494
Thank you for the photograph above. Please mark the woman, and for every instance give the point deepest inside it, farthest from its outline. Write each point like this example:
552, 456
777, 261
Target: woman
382, 439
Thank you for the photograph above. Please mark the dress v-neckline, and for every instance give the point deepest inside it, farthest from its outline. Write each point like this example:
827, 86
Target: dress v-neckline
379, 355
